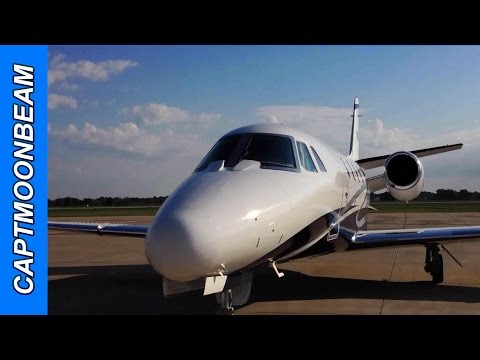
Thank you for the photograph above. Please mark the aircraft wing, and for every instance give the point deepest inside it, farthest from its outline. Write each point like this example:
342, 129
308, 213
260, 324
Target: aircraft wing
373, 162
401, 237
101, 228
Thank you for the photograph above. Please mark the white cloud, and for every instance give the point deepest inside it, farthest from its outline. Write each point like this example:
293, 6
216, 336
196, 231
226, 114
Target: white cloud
56, 101
458, 169
62, 70
179, 135
205, 117
330, 124
107, 174
178, 145
166, 154
129, 137
66, 86
333, 126
376, 139
154, 114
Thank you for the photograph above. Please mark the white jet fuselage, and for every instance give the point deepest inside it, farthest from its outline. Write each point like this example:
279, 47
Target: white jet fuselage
225, 218
266, 194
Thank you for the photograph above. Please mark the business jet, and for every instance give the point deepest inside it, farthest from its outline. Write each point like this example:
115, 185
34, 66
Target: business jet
266, 194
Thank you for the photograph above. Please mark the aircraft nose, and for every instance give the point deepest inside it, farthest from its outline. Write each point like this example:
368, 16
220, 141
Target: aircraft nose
177, 247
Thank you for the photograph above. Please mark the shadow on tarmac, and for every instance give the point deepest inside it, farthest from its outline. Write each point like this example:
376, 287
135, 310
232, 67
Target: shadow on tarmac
137, 289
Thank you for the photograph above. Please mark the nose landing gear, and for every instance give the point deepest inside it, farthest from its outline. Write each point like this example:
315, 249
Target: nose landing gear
225, 302
434, 263
235, 293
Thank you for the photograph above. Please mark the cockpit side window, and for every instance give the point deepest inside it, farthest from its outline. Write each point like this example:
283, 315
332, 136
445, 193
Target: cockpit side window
319, 161
305, 158
222, 150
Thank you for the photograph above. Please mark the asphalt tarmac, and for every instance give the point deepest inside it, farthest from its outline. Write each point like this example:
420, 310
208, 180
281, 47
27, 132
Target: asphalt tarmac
90, 274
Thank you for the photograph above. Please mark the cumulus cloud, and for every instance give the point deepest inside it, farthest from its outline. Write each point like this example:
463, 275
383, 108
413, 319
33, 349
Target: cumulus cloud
333, 126
377, 139
452, 170
179, 133
321, 121
177, 146
62, 70
66, 86
205, 117
56, 101
128, 137
154, 114
107, 174
303, 115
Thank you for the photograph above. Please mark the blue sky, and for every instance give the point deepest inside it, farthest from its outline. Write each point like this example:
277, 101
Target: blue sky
136, 120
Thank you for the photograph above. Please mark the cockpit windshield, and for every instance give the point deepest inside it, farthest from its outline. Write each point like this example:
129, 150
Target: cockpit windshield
272, 151
222, 150
269, 150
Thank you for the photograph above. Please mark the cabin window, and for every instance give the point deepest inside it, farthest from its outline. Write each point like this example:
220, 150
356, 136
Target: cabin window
319, 161
305, 158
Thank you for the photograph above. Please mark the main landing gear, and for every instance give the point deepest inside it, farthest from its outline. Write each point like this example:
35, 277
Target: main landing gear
434, 263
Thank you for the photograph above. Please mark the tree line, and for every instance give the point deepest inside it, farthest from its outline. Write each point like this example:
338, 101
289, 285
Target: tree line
107, 201
439, 195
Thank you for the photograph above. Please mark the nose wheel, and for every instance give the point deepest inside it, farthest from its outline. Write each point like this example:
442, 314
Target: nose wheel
235, 293
225, 302
434, 263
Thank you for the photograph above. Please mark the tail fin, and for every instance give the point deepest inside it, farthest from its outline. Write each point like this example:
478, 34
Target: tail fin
354, 142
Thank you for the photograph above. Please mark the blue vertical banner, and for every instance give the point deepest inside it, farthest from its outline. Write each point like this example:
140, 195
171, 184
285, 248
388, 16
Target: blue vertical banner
23, 180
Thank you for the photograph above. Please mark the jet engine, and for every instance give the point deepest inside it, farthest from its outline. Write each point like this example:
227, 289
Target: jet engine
404, 175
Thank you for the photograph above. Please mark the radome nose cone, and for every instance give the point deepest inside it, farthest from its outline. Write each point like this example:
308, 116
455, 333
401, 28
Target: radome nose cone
175, 248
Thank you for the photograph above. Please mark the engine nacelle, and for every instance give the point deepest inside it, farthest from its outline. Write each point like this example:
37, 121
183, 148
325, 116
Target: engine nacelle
404, 175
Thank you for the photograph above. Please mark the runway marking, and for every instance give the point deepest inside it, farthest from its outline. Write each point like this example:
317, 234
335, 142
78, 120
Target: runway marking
458, 220
389, 279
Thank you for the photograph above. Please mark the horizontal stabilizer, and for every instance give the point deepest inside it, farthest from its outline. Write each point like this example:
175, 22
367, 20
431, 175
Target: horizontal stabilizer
374, 162
376, 183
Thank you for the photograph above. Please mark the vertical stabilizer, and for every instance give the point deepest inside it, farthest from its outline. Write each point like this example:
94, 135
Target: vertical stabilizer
354, 141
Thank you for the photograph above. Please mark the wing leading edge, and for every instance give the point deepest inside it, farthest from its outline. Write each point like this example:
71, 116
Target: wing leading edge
406, 237
102, 228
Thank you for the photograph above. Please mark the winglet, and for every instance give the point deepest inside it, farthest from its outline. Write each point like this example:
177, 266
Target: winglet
354, 140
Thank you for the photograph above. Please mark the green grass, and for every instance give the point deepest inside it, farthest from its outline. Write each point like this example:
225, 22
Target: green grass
383, 207
427, 207
103, 211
